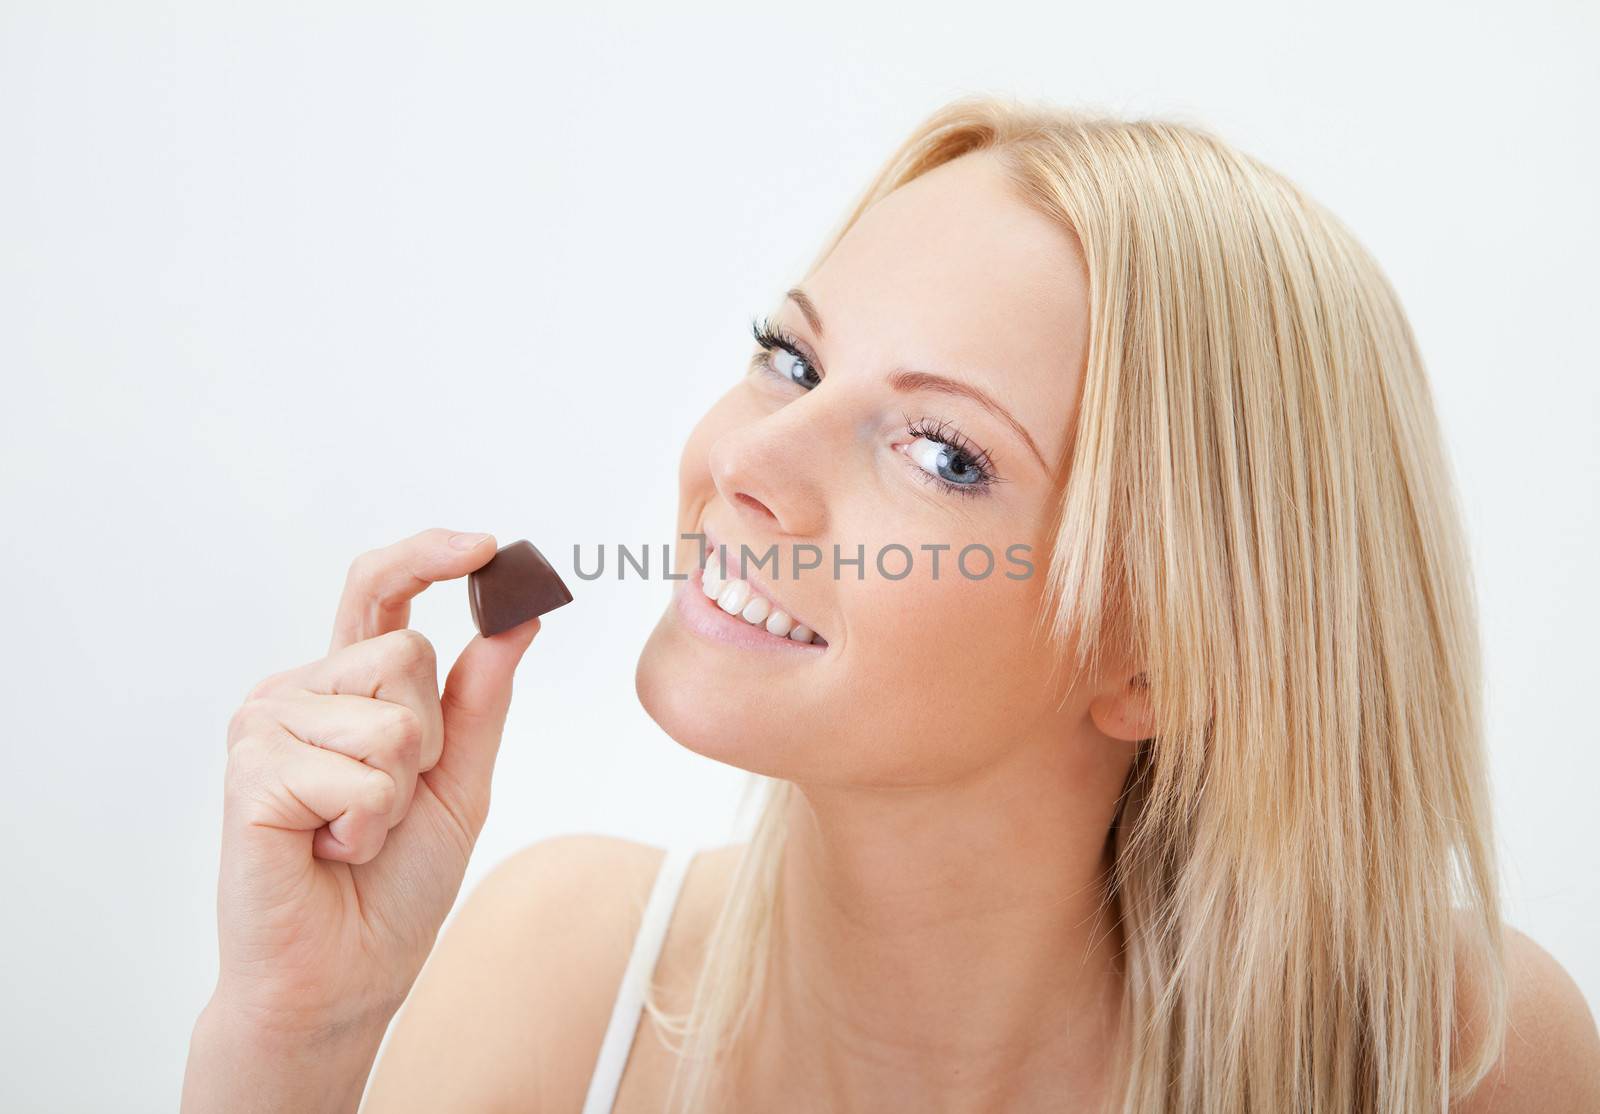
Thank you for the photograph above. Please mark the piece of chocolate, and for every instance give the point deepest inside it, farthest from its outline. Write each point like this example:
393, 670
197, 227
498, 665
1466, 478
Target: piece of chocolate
516, 584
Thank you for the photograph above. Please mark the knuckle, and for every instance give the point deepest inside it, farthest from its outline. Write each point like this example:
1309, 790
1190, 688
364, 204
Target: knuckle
362, 567
247, 719
379, 794
410, 651
403, 731
266, 685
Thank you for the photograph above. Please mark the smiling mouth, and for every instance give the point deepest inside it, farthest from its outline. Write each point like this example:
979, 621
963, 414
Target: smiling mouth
742, 601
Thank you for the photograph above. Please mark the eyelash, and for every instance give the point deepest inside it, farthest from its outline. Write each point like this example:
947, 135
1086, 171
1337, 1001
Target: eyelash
770, 336
949, 436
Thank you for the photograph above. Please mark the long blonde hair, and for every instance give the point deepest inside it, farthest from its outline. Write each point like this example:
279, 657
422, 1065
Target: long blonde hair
1259, 495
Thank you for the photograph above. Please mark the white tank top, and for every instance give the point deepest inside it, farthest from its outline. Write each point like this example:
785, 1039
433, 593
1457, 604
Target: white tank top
629, 1006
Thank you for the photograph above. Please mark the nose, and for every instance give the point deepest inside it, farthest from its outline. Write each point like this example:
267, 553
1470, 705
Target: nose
766, 471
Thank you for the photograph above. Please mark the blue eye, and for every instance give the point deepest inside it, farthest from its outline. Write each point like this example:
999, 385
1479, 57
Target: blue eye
940, 454
782, 356
948, 464
946, 458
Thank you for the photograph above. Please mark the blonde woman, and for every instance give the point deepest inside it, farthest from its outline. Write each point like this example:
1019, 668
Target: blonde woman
1189, 814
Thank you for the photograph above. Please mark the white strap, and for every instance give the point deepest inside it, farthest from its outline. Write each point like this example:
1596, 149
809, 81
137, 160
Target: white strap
629, 1006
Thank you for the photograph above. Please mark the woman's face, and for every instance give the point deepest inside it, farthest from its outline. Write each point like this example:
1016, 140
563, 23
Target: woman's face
948, 290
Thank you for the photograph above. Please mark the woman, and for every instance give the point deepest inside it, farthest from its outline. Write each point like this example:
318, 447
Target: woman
1189, 815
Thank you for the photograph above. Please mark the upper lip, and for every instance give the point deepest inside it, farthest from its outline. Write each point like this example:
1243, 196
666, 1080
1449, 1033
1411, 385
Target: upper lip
757, 584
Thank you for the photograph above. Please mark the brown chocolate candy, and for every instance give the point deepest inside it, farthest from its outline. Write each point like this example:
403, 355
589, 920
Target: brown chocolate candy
516, 584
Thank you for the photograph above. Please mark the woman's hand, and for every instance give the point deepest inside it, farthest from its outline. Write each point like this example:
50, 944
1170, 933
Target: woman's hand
353, 796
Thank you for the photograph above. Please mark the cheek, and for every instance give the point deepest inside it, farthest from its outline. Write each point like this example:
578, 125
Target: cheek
953, 629
939, 676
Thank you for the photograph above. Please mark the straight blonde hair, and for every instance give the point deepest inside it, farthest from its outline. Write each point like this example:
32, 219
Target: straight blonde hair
1260, 506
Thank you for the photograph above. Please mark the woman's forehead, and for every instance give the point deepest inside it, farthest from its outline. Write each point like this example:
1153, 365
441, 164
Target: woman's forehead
955, 274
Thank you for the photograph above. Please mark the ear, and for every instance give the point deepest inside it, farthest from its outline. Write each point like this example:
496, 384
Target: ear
1125, 713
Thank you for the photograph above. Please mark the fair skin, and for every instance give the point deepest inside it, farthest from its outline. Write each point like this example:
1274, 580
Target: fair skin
940, 944
938, 948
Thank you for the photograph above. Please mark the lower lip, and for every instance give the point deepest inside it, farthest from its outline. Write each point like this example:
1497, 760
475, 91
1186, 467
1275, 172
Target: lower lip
701, 615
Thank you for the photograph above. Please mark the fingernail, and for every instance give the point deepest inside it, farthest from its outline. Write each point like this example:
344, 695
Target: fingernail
466, 541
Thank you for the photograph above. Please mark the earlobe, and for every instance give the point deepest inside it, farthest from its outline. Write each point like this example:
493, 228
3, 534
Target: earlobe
1127, 714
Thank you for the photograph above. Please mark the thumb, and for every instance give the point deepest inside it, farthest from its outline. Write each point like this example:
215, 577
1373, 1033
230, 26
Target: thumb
476, 697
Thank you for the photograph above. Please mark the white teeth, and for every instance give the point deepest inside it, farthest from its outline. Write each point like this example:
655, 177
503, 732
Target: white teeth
756, 610
712, 579
733, 596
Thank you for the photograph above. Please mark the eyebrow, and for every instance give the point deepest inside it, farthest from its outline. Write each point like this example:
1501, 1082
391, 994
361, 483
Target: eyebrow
907, 381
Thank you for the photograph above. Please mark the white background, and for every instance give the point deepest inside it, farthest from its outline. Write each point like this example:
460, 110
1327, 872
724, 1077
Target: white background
280, 283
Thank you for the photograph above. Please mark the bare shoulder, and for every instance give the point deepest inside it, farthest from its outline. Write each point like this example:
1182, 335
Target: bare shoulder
1551, 1058
509, 1011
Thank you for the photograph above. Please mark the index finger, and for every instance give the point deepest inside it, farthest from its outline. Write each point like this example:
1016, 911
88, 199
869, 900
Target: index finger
382, 582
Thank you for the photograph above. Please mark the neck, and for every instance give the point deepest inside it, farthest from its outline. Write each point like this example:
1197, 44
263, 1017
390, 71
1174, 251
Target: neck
946, 949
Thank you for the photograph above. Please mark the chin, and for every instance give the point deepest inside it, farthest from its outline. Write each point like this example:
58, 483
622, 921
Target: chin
679, 689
